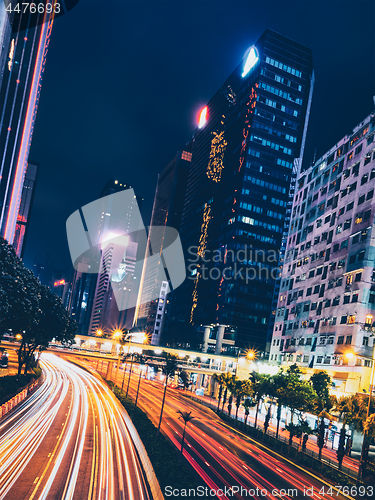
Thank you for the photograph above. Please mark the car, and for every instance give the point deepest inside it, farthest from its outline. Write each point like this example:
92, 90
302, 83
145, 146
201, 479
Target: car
199, 392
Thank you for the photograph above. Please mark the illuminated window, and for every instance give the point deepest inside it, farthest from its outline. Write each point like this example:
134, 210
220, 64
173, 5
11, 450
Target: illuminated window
368, 319
186, 156
351, 321
350, 155
359, 218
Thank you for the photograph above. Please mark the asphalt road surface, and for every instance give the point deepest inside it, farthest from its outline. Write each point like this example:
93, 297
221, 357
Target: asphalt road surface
69, 440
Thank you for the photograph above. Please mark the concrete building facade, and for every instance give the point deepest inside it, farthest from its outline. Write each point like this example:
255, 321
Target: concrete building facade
325, 315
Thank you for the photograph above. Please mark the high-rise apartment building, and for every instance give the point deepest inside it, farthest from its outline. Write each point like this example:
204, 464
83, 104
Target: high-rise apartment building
21, 74
166, 212
326, 307
249, 143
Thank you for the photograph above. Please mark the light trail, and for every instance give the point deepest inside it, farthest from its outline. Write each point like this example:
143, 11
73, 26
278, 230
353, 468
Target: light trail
236, 461
72, 434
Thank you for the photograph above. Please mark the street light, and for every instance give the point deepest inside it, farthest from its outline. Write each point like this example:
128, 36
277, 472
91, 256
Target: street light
251, 355
117, 334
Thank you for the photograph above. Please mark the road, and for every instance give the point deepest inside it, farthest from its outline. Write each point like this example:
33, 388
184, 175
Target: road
225, 458
69, 440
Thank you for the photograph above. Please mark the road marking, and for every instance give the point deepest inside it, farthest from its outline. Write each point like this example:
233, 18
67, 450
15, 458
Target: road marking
36, 479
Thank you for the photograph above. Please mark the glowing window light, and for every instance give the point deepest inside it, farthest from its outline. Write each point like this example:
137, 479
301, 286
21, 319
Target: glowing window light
203, 117
251, 60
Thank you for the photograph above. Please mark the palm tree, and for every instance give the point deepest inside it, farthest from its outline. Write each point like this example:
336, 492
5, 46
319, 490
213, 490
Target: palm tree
169, 370
133, 355
186, 416
276, 391
142, 360
226, 381
218, 377
260, 385
125, 359
242, 388
321, 431
267, 419
247, 404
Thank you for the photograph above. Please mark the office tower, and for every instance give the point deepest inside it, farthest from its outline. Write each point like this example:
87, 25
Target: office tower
249, 143
326, 306
19, 96
92, 301
5, 36
28, 192
167, 210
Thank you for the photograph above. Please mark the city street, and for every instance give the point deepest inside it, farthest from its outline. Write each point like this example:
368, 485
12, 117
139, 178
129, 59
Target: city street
221, 456
69, 440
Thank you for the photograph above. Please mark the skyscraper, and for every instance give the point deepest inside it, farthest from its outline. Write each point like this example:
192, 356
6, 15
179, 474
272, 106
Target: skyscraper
325, 313
19, 96
167, 210
28, 192
249, 143
92, 301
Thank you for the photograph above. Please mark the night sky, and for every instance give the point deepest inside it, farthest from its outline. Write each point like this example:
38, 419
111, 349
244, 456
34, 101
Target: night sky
124, 81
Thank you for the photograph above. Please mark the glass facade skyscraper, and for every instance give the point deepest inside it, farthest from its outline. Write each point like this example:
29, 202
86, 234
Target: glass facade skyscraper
21, 76
167, 210
244, 155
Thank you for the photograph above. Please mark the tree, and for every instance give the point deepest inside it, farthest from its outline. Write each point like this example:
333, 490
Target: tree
369, 426
341, 449
322, 431
304, 441
354, 410
187, 417
132, 356
141, 360
230, 401
185, 379
276, 391
31, 309
321, 383
260, 386
242, 388
267, 419
51, 322
298, 430
299, 396
169, 370
247, 404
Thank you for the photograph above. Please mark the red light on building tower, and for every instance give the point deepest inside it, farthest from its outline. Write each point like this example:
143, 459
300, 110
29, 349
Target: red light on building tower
59, 283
